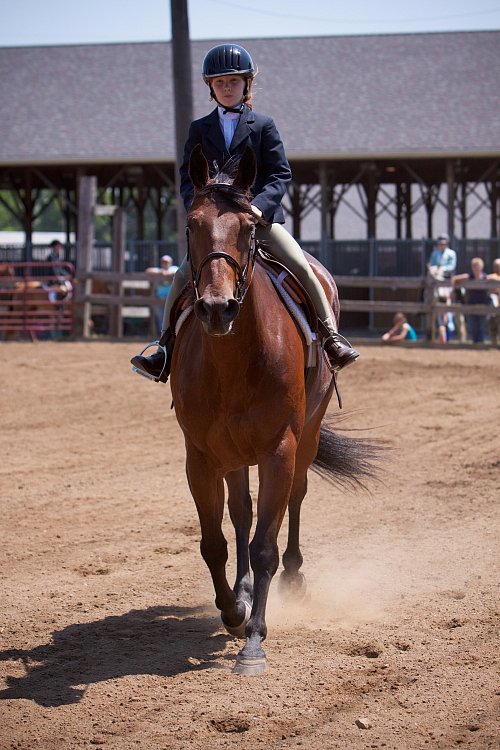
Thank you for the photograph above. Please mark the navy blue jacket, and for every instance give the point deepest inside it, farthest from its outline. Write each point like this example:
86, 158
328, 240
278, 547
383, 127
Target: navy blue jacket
257, 131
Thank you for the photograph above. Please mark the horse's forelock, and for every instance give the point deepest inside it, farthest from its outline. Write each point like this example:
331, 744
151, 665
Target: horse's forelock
221, 178
220, 184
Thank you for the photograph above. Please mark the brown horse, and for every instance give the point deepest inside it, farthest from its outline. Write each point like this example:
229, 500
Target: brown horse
239, 390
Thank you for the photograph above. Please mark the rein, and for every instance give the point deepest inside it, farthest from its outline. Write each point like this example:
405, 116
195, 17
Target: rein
241, 272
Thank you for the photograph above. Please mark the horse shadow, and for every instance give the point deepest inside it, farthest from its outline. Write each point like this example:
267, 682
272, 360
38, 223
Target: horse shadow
162, 640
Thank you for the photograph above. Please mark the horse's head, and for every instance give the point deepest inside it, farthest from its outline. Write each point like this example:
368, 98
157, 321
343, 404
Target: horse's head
6, 269
221, 241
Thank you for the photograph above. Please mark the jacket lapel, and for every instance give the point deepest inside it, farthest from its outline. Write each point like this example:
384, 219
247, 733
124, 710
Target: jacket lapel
243, 129
215, 133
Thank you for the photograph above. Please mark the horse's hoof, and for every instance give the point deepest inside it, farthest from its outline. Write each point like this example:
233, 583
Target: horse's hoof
292, 587
239, 630
250, 665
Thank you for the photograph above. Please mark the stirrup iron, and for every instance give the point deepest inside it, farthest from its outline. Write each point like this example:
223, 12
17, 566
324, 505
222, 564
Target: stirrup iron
147, 375
337, 337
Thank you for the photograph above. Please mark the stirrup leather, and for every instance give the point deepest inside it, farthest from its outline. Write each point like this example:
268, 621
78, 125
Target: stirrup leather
147, 375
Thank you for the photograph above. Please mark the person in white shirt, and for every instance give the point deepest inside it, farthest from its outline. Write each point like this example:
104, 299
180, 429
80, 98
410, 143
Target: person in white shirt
443, 260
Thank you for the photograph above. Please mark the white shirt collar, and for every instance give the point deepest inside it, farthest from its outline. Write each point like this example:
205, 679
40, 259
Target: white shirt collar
227, 115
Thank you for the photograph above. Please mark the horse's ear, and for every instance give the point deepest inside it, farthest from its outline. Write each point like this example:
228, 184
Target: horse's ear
198, 167
247, 170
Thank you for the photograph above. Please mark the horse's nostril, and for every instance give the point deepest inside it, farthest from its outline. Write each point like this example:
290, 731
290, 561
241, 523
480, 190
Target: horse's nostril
201, 310
232, 310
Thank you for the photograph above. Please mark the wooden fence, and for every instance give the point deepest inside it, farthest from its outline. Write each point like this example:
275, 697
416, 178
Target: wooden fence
119, 291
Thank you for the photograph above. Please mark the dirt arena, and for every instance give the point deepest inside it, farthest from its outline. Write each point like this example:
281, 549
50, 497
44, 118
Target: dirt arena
109, 636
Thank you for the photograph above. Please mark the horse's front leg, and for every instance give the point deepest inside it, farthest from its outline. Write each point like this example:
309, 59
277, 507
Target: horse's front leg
240, 510
276, 477
207, 487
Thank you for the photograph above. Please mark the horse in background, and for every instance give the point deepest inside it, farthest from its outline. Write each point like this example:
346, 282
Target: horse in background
32, 306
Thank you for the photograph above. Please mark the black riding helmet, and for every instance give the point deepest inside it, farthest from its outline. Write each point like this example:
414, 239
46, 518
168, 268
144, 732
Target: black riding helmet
226, 60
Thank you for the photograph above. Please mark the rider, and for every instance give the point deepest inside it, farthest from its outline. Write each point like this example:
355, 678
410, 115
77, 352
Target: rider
228, 71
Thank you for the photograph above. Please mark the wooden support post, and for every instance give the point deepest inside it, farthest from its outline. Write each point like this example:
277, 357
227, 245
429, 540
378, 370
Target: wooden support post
323, 182
68, 216
371, 200
494, 195
87, 191
335, 197
450, 180
118, 265
463, 208
408, 213
429, 209
296, 205
399, 206
142, 197
159, 214
28, 213
183, 103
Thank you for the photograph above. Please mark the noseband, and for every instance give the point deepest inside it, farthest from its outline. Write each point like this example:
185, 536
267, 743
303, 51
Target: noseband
241, 272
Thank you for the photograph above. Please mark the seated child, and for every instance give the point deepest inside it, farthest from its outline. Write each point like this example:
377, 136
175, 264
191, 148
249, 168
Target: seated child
401, 330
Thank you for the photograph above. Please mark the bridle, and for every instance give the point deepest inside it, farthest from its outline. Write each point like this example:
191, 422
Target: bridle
242, 277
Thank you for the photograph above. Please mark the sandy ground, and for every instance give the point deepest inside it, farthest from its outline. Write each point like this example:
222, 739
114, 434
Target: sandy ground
109, 635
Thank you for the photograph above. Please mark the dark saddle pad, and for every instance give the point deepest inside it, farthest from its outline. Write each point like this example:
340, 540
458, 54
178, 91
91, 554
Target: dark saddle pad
291, 285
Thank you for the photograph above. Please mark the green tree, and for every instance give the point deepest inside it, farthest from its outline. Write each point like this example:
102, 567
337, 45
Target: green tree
8, 222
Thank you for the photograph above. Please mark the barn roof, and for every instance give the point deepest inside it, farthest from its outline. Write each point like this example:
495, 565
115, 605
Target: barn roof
415, 95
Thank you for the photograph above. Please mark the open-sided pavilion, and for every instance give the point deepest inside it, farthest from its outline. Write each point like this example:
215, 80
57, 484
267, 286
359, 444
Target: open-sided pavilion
408, 121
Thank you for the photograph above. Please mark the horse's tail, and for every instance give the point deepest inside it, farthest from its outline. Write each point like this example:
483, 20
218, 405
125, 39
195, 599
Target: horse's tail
347, 460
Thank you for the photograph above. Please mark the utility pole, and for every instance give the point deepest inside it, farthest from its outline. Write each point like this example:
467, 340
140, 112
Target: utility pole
183, 102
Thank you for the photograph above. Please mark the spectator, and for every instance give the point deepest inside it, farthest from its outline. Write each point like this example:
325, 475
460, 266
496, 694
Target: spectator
61, 283
441, 267
400, 331
445, 322
443, 260
475, 323
494, 320
56, 257
167, 270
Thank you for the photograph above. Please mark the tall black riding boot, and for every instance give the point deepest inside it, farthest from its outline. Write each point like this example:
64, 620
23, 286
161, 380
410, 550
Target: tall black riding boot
338, 350
157, 366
